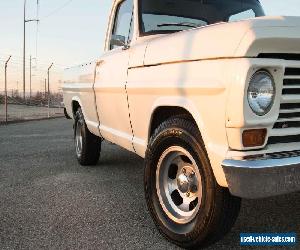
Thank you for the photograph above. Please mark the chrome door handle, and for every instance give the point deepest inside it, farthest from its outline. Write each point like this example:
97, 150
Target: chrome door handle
97, 71
98, 63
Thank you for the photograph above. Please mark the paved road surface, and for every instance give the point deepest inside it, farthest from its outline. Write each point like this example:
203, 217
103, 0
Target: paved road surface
48, 201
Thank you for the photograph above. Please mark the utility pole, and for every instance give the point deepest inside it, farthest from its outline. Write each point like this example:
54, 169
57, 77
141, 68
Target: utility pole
30, 78
49, 89
6, 118
45, 88
17, 89
30, 81
24, 48
24, 52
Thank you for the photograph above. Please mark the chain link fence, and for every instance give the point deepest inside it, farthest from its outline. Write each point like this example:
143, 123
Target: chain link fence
35, 107
36, 102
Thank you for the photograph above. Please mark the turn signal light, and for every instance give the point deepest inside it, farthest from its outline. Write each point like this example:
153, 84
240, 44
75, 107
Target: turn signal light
254, 137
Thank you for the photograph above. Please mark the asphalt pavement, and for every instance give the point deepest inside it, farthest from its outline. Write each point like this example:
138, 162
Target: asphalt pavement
48, 201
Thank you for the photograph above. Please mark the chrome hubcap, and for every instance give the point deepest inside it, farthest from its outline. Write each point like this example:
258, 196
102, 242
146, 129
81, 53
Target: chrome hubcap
178, 185
78, 138
187, 181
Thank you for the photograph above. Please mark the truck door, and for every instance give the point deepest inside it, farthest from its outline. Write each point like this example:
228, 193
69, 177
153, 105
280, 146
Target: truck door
111, 76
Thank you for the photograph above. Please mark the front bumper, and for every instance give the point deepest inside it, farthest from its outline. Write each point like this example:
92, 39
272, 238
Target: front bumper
262, 178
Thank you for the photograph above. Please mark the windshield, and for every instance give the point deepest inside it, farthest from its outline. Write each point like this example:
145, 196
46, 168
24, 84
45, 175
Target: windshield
167, 16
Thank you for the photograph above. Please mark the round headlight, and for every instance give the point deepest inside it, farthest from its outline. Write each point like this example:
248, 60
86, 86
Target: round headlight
261, 92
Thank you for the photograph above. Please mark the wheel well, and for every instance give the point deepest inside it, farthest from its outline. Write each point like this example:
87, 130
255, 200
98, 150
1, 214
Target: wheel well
163, 113
75, 106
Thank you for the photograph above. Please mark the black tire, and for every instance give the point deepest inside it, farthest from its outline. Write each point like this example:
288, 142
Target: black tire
218, 209
66, 114
89, 152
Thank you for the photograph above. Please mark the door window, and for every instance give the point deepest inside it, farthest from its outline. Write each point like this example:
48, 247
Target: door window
169, 16
242, 16
123, 21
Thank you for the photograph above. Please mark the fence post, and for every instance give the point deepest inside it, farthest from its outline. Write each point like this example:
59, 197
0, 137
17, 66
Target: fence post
45, 88
49, 89
5, 80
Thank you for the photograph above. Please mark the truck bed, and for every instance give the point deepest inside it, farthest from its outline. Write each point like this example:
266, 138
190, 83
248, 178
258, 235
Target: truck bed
78, 88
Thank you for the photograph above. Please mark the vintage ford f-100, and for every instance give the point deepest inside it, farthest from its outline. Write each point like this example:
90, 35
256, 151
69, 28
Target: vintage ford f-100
208, 92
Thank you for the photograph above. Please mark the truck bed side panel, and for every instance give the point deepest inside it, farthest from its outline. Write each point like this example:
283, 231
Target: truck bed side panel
79, 87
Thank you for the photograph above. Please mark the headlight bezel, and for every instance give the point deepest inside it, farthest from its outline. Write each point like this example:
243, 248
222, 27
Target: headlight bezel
271, 104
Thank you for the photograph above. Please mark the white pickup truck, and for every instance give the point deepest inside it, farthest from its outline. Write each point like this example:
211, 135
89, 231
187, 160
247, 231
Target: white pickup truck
208, 92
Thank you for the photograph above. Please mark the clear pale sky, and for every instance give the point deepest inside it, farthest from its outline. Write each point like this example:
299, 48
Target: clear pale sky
72, 34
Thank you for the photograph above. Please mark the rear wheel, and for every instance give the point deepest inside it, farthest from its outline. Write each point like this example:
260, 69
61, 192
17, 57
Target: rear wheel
66, 114
87, 145
187, 205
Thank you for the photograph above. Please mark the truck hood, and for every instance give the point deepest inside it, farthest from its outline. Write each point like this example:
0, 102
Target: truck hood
246, 38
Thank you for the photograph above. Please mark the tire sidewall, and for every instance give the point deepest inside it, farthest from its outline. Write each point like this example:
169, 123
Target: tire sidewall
80, 119
176, 135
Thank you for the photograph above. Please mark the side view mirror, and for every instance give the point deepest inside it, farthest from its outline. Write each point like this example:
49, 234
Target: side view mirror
118, 40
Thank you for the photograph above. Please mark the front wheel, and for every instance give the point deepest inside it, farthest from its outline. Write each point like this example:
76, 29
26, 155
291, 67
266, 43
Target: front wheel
87, 145
187, 205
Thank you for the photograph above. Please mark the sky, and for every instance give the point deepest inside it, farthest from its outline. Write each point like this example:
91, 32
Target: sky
70, 32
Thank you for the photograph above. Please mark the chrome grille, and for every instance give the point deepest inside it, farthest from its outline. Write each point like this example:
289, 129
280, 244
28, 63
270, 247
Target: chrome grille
287, 127
276, 155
